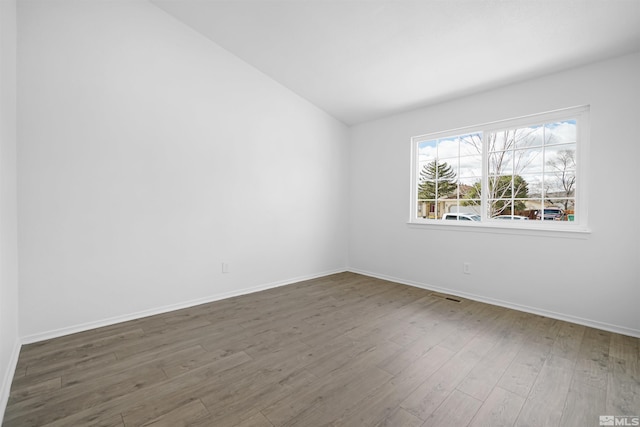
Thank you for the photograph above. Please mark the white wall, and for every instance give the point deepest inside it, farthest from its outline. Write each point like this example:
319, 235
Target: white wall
9, 341
148, 156
594, 280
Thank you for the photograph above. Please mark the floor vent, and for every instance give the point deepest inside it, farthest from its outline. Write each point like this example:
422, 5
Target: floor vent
443, 296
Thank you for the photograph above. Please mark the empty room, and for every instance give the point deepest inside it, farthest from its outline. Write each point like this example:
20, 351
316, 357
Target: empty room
319, 213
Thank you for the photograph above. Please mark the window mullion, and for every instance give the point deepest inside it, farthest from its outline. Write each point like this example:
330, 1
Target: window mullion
527, 162
484, 187
543, 190
436, 203
513, 179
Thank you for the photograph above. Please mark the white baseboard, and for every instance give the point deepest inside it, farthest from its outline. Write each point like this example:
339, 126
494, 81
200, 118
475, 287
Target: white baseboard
8, 378
186, 304
533, 310
164, 309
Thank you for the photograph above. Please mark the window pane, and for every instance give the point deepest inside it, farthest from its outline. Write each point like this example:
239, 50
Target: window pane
427, 150
526, 137
501, 163
510, 139
471, 166
469, 191
556, 186
471, 145
499, 207
530, 173
500, 186
426, 209
448, 147
534, 185
560, 159
566, 204
533, 207
562, 132
448, 166
529, 161
446, 178
560, 171
551, 212
426, 189
520, 188
515, 161
469, 181
527, 205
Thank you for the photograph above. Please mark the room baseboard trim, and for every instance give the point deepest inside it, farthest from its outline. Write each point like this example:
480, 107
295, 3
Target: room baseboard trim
217, 297
56, 333
533, 310
8, 378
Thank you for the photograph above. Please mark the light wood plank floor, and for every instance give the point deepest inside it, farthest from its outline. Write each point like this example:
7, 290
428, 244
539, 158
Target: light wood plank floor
343, 350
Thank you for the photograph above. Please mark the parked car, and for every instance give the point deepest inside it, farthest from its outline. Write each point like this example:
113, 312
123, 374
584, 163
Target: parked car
550, 214
461, 216
518, 217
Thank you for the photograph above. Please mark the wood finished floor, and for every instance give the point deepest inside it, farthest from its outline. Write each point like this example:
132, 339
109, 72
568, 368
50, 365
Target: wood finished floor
343, 350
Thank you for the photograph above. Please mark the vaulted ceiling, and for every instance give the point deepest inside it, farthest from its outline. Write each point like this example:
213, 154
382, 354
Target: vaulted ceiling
363, 59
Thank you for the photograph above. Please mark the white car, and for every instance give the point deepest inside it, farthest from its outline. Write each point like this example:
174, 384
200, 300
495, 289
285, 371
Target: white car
461, 216
520, 217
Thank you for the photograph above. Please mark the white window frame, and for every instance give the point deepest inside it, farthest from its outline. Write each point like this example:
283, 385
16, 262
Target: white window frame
579, 225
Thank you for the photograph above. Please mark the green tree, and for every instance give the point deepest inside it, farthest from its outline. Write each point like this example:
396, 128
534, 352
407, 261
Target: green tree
501, 191
437, 176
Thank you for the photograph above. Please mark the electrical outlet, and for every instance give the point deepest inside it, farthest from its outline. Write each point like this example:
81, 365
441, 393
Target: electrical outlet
225, 267
466, 268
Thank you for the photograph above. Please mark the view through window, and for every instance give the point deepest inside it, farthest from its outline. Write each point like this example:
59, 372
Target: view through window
518, 170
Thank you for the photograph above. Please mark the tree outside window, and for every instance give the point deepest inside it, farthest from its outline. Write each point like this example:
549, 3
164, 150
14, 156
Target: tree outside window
519, 167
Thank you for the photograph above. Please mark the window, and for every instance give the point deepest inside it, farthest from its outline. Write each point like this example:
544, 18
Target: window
522, 172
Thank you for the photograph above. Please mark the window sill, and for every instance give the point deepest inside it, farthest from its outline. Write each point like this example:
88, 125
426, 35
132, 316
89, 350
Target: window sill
542, 230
